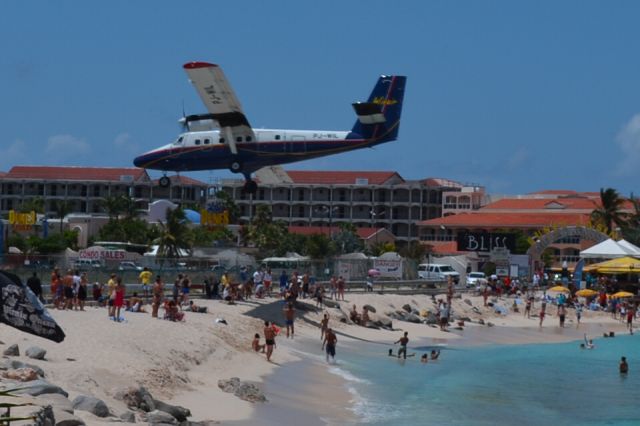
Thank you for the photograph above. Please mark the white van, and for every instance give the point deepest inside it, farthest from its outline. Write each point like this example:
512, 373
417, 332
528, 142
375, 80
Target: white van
437, 272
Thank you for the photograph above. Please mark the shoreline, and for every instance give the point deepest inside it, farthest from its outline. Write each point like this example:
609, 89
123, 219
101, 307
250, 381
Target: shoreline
181, 363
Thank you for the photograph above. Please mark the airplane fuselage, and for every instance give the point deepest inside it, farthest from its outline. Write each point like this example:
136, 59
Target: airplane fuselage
208, 150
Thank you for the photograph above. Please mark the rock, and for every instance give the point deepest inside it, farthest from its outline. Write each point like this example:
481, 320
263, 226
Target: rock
468, 302
14, 364
21, 374
137, 398
128, 417
36, 352
384, 322
490, 304
41, 387
476, 310
12, 350
370, 308
481, 321
461, 318
44, 417
229, 385
341, 316
91, 404
407, 307
157, 417
250, 392
490, 324
431, 319
413, 318
58, 401
179, 413
331, 303
63, 418
458, 328
243, 390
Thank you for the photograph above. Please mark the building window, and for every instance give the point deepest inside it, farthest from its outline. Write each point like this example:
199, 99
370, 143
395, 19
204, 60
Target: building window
301, 211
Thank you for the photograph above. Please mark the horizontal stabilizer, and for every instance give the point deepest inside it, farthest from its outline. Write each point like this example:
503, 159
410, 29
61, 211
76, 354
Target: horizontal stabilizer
369, 113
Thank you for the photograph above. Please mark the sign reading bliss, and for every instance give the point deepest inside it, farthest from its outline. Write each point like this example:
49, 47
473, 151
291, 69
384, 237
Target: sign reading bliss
485, 241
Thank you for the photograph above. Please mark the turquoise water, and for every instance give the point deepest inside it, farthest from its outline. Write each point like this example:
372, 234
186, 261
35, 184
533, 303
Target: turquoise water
552, 384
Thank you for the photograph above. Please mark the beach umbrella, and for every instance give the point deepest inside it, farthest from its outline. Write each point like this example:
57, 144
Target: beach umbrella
622, 295
586, 292
559, 288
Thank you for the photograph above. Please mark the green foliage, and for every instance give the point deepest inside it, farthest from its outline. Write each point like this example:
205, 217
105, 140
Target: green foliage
523, 242
18, 241
609, 213
319, 246
62, 209
35, 204
347, 240
230, 205
174, 235
381, 248
54, 243
415, 251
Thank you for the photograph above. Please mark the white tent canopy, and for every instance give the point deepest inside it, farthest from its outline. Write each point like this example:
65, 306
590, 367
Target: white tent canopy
610, 249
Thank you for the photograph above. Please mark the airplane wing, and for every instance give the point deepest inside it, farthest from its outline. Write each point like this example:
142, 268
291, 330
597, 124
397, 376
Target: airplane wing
217, 95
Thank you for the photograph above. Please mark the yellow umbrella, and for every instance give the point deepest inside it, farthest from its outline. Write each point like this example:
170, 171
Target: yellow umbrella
586, 292
622, 294
622, 265
559, 288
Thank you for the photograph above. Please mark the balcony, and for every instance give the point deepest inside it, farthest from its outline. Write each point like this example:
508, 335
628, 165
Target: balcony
437, 238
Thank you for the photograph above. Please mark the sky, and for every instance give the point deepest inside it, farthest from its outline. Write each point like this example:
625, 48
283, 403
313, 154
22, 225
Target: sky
517, 96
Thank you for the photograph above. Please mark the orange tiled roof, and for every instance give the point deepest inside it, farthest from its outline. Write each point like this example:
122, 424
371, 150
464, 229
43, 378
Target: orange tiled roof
340, 177
363, 233
509, 220
182, 180
75, 173
543, 204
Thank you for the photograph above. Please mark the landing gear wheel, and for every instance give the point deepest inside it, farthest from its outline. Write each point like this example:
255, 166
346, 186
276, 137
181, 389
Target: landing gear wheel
250, 187
164, 182
235, 166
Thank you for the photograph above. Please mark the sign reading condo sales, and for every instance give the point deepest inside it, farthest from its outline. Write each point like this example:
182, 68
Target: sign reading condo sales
99, 253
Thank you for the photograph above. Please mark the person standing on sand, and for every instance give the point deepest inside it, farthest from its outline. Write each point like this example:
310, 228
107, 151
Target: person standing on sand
269, 339
289, 316
157, 291
578, 314
145, 278
330, 341
333, 287
341, 286
562, 312
485, 294
404, 340
118, 302
630, 314
542, 312
527, 309
324, 325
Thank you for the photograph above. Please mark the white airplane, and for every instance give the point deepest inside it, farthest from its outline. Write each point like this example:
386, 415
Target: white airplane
242, 149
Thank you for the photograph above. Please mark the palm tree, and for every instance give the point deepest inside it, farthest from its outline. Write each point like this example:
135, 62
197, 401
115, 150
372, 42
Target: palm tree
113, 206
609, 213
175, 235
62, 209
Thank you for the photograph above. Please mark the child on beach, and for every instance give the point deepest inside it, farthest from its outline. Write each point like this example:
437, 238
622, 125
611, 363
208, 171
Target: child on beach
255, 344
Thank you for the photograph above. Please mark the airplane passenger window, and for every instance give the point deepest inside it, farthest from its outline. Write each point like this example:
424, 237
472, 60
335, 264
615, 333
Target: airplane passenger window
277, 137
197, 141
206, 141
248, 138
239, 139
221, 140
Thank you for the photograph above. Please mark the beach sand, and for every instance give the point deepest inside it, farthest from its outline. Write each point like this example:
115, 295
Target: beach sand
181, 362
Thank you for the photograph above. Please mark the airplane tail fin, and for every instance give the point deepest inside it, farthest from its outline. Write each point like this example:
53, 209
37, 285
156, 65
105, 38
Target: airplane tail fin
379, 117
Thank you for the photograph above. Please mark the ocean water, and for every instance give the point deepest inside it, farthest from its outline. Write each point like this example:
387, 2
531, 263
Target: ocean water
541, 384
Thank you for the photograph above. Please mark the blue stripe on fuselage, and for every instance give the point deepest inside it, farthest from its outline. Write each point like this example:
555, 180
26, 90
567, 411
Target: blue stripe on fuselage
253, 156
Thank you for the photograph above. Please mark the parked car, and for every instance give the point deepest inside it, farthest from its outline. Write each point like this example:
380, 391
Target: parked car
476, 278
86, 264
129, 266
437, 272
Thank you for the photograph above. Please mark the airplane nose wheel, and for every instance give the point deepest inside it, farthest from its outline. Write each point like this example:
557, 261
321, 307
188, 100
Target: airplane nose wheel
250, 187
164, 182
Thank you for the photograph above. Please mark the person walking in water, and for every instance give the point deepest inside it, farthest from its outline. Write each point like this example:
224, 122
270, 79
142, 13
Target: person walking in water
404, 340
330, 341
624, 367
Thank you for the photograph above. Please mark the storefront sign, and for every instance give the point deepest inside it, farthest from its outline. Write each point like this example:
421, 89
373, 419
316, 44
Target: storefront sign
99, 253
22, 221
390, 268
209, 218
485, 242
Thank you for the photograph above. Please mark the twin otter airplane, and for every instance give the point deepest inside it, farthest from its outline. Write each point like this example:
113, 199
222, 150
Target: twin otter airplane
234, 145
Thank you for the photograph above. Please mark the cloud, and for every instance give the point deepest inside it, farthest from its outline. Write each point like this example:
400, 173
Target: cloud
628, 140
124, 142
518, 159
13, 153
66, 146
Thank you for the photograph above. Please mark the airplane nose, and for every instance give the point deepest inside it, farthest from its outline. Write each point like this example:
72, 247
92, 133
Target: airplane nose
140, 161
